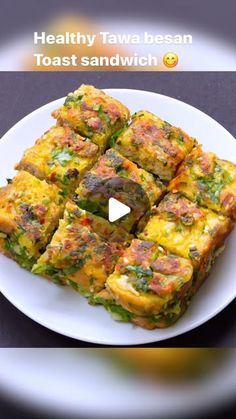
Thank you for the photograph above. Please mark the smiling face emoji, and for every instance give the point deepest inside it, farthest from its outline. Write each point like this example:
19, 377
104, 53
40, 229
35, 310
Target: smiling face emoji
170, 59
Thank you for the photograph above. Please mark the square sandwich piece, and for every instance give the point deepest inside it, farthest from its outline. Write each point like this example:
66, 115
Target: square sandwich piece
154, 144
114, 176
29, 213
60, 156
150, 286
93, 114
207, 180
193, 232
83, 251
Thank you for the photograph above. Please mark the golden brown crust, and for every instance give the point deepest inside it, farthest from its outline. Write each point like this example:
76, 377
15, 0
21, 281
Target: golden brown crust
29, 212
150, 282
115, 176
154, 144
60, 157
83, 250
93, 114
161, 323
188, 230
207, 180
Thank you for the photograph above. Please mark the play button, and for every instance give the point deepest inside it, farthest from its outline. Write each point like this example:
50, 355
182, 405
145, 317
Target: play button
118, 199
116, 209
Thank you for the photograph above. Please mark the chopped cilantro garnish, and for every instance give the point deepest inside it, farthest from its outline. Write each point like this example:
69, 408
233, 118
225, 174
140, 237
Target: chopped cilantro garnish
213, 183
211, 186
63, 192
72, 98
139, 271
77, 265
113, 138
97, 107
62, 156
19, 253
88, 205
103, 115
180, 139
142, 284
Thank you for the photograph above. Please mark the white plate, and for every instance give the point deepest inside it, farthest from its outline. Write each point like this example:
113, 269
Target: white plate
64, 382
62, 309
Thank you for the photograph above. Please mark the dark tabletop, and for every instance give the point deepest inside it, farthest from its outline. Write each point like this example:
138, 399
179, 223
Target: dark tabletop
21, 93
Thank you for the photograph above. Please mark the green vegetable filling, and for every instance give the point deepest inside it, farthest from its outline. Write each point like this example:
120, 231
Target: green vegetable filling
58, 274
72, 99
19, 253
83, 291
62, 156
103, 115
142, 276
113, 138
118, 312
212, 184
90, 206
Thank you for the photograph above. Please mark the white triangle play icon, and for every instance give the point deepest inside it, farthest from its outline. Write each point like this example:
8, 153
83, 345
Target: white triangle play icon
116, 209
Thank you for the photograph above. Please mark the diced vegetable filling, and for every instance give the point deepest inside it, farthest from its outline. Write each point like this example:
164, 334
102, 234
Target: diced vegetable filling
54, 213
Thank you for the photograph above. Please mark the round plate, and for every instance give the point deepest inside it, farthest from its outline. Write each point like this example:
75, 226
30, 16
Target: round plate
67, 385
63, 310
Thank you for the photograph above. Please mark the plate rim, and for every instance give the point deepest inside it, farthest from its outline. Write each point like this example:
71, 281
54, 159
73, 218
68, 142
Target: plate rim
100, 341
